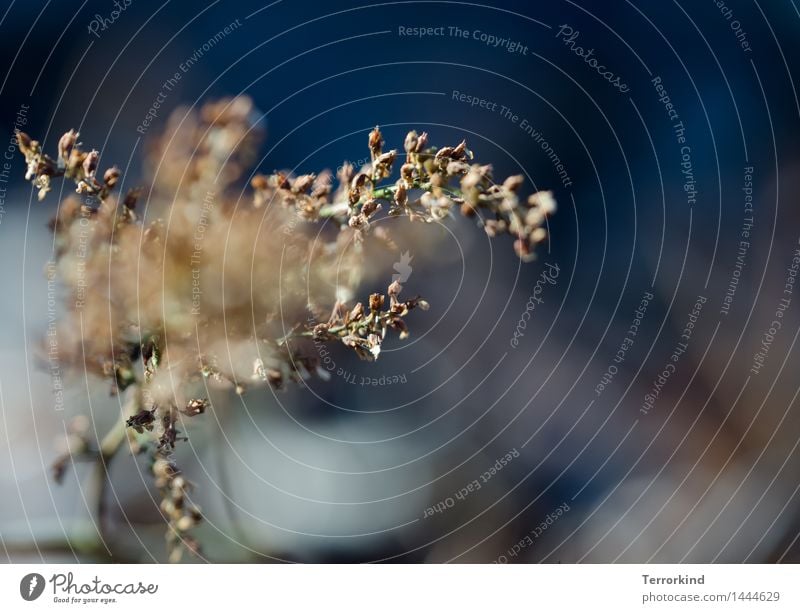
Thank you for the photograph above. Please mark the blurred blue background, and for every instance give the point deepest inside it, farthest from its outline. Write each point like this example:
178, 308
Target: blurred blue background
709, 473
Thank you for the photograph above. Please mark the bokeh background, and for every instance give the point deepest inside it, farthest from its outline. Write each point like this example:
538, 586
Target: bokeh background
348, 471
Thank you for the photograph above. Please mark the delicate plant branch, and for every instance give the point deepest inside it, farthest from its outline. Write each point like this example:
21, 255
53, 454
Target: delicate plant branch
137, 345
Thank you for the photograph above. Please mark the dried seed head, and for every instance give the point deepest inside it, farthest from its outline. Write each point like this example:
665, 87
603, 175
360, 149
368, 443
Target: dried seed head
410, 143
26, 145
185, 523
359, 181
457, 167
513, 183
90, 163
401, 193
259, 182
376, 302
407, 172
544, 201
321, 332
131, 197
370, 207
345, 173
196, 406
386, 159
521, 248
461, 151
422, 142
356, 313
444, 154
65, 145
374, 345
382, 166
111, 176
375, 142
358, 222
163, 469
303, 183
534, 218
472, 179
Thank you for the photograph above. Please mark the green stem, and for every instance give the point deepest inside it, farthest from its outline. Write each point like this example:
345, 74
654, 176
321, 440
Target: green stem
386, 192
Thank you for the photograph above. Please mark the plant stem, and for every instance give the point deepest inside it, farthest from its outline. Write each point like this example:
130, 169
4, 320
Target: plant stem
382, 193
109, 446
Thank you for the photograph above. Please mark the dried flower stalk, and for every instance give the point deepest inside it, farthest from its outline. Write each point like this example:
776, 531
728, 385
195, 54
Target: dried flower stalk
226, 292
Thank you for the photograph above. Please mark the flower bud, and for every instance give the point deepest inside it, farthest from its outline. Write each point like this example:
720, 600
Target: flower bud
65, 145
376, 302
90, 163
422, 142
195, 406
410, 143
375, 142
303, 183
185, 523
111, 176
401, 194
513, 183
25, 143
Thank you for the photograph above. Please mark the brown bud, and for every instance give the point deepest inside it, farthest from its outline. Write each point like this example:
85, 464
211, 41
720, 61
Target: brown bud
538, 235
375, 142
461, 150
356, 313
444, 153
401, 193
345, 173
25, 143
376, 302
544, 201
321, 332
521, 248
386, 159
422, 142
185, 523
196, 406
513, 183
163, 469
131, 197
259, 182
111, 176
359, 181
410, 143
90, 163
358, 222
303, 183
370, 207
65, 145
457, 167
407, 172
